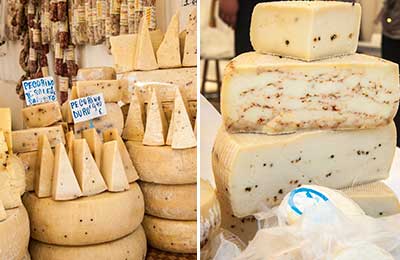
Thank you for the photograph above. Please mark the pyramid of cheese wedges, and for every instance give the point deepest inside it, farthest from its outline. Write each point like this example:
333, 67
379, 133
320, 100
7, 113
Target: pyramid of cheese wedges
305, 109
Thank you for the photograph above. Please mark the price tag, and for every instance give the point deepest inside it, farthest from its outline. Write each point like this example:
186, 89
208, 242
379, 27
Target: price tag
88, 108
41, 90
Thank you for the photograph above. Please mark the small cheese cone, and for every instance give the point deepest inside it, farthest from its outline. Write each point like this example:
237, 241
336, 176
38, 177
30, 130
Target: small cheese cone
190, 50
168, 54
44, 168
95, 144
145, 58
134, 125
3, 213
112, 168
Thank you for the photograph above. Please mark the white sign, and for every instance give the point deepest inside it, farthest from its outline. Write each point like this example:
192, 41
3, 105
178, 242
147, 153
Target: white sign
87, 108
41, 90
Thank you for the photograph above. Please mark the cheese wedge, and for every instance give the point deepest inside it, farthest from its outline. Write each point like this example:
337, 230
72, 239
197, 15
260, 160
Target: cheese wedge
6, 126
9, 193
269, 94
69, 139
190, 51
41, 115
3, 214
27, 140
66, 109
252, 169
156, 123
134, 123
44, 168
168, 54
111, 89
64, 185
29, 161
112, 168
95, 144
86, 171
306, 30
95, 73
145, 58
131, 173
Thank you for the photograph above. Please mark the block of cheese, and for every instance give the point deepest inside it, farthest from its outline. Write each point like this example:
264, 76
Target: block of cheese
376, 199
281, 163
64, 184
349, 92
177, 202
3, 213
111, 89
164, 80
144, 58
86, 171
29, 161
134, 123
87, 220
44, 168
69, 146
95, 144
190, 51
306, 30
112, 167
130, 171
366, 251
113, 119
169, 54
171, 235
16, 170
27, 140
96, 73
173, 166
210, 213
6, 126
41, 115
130, 247
14, 243
10, 192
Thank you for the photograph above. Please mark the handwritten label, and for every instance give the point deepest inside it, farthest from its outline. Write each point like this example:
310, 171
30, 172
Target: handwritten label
41, 90
87, 108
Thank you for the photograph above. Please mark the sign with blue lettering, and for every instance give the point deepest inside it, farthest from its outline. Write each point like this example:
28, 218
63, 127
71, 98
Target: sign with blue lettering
41, 90
87, 108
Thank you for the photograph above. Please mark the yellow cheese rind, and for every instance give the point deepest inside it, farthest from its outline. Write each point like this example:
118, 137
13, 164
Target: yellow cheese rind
95, 144
210, 212
44, 168
112, 167
111, 89
145, 58
134, 123
130, 247
29, 160
87, 220
96, 73
27, 140
190, 51
168, 54
41, 115
173, 166
171, 235
176, 202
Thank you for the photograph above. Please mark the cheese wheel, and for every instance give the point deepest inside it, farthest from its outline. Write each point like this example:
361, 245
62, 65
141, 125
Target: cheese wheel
210, 212
131, 247
87, 220
176, 202
172, 166
15, 234
171, 235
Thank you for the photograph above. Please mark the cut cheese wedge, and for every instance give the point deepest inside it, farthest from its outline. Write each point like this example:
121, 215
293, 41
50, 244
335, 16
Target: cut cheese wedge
112, 167
3, 213
134, 123
41, 115
86, 171
29, 160
44, 168
16, 170
95, 144
66, 109
64, 185
69, 138
145, 58
9, 192
190, 50
27, 140
210, 213
131, 173
168, 54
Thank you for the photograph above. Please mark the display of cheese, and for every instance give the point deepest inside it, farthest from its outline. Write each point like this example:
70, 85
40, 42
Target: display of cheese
44, 168
252, 169
173, 166
87, 220
164, 80
306, 30
112, 167
144, 58
27, 140
176, 202
171, 235
210, 213
189, 58
270, 94
365, 251
95, 144
86, 171
41, 115
113, 119
15, 231
169, 54
96, 73
111, 89
134, 123
376, 199
6, 126
130, 171
29, 161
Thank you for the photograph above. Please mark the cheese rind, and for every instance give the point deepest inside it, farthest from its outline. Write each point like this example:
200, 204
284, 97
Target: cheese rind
176, 202
306, 30
87, 220
268, 94
210, 212
41, 115
111, 89
171, 235
96, 73
112, 167
44, 168
27, 140
251, 169
173, 166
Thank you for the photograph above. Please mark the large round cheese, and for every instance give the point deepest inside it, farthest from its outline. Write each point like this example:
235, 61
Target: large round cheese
176, 202
163, 165
365, 251
131, 247
210, 212
87, 220
176, 236
14, 234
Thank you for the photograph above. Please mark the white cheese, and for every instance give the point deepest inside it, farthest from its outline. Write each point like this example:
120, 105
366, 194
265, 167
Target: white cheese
96, 73
95, 144
87, 220
41, 115
10, 193
145, 58
134, 123
306, 30
111, 89
44, 168
168, 54
251, 169
210, 213
268, 94
27, 140
16, 170
112, 167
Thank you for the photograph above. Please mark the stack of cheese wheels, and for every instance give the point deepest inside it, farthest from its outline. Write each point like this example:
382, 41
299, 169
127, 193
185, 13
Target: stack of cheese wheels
304, 108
